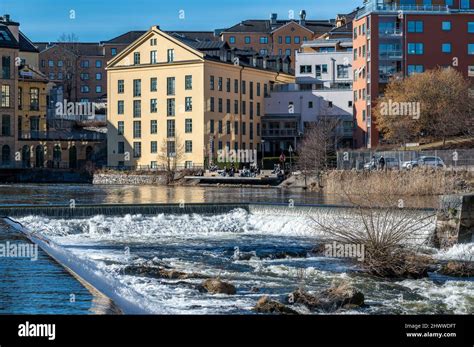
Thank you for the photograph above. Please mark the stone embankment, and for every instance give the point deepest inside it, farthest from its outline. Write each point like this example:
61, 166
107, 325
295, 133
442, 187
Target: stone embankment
129, 179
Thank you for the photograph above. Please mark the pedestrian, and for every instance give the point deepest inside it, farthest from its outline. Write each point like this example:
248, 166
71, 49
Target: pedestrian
382, 163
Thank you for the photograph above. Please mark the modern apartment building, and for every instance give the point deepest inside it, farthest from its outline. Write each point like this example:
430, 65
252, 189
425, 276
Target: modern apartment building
401, 38
323, 88
275, 37
167, 92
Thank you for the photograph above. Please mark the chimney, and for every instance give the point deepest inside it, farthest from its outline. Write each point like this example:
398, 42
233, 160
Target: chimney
12, 26
303, 17
274, 18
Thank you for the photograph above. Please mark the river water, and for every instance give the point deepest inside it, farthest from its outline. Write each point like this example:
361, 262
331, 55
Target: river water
207, 244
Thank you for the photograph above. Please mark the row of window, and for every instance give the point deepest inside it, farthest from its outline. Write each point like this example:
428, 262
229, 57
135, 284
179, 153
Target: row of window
243, 107
170, 85
243, 86
153, 57
418, 26
263, 40
86, 89
342, 70
418, 48
61, 63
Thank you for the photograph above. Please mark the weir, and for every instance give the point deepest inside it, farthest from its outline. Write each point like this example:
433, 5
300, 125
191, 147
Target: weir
81, 211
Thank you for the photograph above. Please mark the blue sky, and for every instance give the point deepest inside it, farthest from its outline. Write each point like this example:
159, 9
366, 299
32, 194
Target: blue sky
96, 20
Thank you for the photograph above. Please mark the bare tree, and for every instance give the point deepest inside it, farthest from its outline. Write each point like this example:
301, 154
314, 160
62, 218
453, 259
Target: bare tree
68, 52
170, 156
390, 233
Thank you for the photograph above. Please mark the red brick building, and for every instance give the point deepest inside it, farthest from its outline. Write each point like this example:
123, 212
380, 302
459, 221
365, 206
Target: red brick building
401, 38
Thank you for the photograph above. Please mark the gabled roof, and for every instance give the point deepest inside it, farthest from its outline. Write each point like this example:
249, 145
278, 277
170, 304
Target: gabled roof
126, 38
266, 26
196, 35
7, 40
78, 48
26, 45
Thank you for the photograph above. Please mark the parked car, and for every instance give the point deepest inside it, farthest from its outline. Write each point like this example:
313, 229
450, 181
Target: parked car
425, 161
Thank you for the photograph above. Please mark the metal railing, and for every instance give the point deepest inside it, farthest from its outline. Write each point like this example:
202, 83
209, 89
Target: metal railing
280, 133
61, 135
391, 55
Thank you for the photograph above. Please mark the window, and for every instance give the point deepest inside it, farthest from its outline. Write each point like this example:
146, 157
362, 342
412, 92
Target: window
153, 57
6, 96
247, 40
6, 70
98, 76
228, 129
470, 27
137, 149
251, 131
120, 107
154, 127
121, 147
236, 106
98, 64
137, 108
120, 128
310, 104
211, 83
470, 49
188, 104
188, 146
171, 149
263, 40
236, 128
84, 76
412, 69
188, 126
171, 107
446, 48
153, 106
120, 86
288, 52
154, 164
211, 126
137, 129
170, 86
153, 42
153, 147
220, 127
415, 26
280, 40
470, 70
219, 107
465, 4
219, 84
297, 39
228, 85
85, 63
153, 84
244, 87
227, 110
232, 39
136, 58
415, 48
258, 109
259, 88
113, 51
446, 25
188, 82
51, 63
98, 89
137, 88
288, 40
20, 102
342, 71
170, 128
211, 104
170, 55
6, 126
305, 69
244, 128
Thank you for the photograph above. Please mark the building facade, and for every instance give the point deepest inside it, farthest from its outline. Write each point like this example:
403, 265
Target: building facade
275, 37
399, 38
171, 96
323, 89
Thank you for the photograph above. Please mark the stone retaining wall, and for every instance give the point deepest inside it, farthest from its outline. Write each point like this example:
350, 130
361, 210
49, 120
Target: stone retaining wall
124, 179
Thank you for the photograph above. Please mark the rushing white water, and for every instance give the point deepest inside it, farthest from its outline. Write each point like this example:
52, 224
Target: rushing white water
206, 244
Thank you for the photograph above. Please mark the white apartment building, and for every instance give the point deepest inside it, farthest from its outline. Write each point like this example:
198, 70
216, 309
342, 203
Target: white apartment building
323, 88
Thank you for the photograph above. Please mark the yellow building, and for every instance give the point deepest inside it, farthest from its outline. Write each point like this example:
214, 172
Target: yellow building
167, 93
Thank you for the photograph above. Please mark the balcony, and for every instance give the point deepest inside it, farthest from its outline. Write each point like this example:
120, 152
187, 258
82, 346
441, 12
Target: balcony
372, 6
60, 135
396, 32
393, 55
269, 133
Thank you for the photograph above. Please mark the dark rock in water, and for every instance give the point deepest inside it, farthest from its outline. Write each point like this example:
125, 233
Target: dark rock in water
239, 255
330, 300
265, 305
254, 289
458, 269
287, 255
216, 286
300, 296
159, 272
